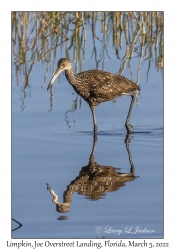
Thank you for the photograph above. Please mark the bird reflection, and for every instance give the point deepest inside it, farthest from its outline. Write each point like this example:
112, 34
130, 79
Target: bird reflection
95, 180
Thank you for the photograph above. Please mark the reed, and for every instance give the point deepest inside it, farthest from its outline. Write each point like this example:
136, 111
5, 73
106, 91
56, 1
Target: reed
37, 37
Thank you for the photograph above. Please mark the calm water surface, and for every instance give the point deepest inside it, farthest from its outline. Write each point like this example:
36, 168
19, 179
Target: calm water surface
54, 147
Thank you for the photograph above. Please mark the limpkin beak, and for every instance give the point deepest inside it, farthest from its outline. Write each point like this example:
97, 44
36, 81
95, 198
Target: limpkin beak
57, 72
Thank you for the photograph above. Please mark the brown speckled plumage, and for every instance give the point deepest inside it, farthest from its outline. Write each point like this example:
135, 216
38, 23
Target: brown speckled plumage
94, 86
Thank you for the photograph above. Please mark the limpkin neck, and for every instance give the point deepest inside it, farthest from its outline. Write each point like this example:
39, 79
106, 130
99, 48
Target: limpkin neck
70, 76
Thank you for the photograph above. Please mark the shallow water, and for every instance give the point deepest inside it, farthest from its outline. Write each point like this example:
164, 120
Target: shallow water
44, 151
54, 146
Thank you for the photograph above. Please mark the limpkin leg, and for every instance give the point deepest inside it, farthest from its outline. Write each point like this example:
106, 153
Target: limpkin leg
94, 119
127, 124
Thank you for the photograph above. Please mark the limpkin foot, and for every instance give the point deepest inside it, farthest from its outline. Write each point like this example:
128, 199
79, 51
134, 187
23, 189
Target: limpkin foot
129, 127
95, 129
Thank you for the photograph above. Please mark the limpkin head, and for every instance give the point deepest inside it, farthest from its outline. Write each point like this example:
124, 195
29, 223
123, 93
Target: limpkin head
63, 64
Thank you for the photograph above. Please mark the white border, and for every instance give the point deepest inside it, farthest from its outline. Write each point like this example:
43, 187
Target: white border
5, 98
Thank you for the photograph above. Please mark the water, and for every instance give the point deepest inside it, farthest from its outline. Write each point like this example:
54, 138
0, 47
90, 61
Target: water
54, 146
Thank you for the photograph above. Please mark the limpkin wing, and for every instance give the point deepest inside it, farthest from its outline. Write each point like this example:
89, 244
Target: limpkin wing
107, 86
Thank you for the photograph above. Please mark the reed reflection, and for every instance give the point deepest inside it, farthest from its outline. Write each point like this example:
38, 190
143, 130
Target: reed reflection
17, 223
95, 180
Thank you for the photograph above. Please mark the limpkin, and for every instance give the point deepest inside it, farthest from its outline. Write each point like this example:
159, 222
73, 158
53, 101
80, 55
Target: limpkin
95, 86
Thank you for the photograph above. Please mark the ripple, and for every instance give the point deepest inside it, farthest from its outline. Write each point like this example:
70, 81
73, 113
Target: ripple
122, 132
